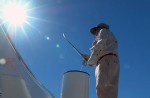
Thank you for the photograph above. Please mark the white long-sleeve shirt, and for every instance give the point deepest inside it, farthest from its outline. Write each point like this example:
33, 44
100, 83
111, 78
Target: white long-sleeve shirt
105, 43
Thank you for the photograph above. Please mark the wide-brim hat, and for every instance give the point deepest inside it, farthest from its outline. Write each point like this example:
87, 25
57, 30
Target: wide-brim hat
99, 26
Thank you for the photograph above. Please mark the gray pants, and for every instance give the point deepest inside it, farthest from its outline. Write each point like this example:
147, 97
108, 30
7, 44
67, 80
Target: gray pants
107, 77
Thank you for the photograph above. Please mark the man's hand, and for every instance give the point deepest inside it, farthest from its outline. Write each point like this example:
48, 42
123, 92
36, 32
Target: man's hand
84, 63
85, 58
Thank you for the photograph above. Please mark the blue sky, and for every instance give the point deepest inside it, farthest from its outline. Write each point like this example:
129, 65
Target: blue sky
48, 55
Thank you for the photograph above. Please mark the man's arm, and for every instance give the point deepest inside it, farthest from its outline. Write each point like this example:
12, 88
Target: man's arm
98, 47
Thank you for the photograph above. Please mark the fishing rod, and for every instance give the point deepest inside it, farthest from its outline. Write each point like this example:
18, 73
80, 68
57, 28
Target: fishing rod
77, 51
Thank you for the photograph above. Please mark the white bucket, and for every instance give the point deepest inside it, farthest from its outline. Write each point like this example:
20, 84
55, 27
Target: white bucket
75, 84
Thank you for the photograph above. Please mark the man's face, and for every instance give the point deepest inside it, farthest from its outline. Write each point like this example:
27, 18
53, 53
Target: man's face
96, 32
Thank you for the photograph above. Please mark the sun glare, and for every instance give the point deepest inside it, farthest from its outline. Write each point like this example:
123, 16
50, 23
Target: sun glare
17, 15
14, 13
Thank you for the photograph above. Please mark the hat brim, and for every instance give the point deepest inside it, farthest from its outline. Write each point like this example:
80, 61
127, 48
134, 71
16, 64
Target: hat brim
93, 30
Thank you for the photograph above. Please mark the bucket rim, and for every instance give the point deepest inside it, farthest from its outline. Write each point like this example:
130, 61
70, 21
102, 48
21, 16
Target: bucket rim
76, 71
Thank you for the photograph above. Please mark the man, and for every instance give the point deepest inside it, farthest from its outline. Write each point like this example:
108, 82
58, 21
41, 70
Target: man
104, 57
